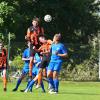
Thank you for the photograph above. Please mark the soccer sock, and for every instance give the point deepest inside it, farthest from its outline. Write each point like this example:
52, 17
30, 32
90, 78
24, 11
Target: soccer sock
18, 83
39, 78
50, 86
51, 82
31, 84
29, 80
30, 67
42, 86
4, 82
56, 84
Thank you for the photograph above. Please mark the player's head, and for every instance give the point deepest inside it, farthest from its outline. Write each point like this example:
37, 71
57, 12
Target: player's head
57, 38
35, 21
42, 39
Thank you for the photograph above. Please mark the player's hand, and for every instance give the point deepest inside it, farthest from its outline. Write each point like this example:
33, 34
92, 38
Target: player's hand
34, 47
41, 53
27, 38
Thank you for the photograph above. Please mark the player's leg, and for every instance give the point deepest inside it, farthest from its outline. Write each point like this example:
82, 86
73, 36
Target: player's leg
39, 78
43, 65
50, 75
32, 53
57, 68
20, 80
4, 80
41, 84
50, 86
31, 84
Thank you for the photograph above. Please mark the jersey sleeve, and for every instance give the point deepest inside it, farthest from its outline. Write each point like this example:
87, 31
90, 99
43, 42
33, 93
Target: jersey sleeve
24, 54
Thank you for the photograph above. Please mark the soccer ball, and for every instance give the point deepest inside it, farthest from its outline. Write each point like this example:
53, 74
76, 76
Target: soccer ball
47, 18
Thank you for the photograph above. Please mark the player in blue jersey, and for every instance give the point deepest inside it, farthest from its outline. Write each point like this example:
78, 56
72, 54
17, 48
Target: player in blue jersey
25, 70
58, 52
35, 72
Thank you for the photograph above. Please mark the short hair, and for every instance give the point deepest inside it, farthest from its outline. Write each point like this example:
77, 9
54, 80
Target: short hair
36, 19
58, 36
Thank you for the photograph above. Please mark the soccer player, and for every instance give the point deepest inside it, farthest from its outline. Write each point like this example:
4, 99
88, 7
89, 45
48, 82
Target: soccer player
58, 52
33, 33
35, 71
25, 70
44, 51
3, 64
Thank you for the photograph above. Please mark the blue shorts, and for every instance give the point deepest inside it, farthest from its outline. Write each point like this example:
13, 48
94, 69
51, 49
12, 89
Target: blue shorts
25, 70
35, 71
55, 66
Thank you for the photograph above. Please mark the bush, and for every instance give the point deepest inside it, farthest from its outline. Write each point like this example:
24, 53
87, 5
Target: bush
83, 62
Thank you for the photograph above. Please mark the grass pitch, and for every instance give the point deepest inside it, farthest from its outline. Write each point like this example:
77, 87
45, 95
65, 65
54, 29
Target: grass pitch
67, 91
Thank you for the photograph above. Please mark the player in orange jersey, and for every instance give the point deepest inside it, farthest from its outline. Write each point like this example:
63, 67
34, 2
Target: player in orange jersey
33, 34
44, 51
3, 64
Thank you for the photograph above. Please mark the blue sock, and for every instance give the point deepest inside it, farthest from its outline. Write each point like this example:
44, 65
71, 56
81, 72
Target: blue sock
42, 86
18, 83
29, 80
56, 84
31, 84
51, 81
31, 88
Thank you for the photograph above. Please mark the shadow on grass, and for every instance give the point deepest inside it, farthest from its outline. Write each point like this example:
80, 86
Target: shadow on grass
79, 93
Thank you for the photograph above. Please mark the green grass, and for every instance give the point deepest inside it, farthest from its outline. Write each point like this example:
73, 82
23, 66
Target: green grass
67, 91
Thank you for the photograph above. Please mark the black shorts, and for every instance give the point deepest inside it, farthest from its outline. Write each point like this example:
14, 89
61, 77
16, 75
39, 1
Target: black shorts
32, 51
2, 68
44, 62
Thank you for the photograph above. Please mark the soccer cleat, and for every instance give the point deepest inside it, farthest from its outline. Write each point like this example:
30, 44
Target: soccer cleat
5, 89
37, 86
26, 90
14, 90
52, 92
22, 90
43, 91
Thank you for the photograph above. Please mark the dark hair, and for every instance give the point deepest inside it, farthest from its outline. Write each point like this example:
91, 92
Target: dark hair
36, 19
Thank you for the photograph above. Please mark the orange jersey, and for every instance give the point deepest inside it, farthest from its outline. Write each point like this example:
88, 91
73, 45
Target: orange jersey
3, 58
45, 47
34, 33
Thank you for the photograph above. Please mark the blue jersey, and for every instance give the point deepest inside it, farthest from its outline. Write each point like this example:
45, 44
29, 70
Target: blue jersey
60, 48
26, 54
37, 58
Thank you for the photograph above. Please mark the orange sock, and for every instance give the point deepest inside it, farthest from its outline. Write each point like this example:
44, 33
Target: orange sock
39, 78
30, 67
44, 73
4, 82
